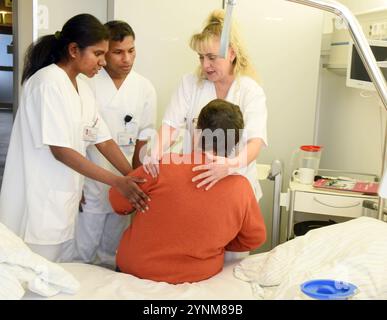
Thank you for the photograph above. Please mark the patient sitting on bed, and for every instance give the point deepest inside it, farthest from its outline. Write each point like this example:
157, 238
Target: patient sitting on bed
184, 235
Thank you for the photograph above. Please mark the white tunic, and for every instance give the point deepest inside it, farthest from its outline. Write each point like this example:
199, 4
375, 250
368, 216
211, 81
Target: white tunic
135, 98
40, 196
192, 95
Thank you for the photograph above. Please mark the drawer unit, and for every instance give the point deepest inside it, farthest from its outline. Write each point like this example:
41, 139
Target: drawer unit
333, 205
306, 199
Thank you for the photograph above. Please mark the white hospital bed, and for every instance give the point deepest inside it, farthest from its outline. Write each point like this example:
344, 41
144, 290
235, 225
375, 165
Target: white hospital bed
354, 251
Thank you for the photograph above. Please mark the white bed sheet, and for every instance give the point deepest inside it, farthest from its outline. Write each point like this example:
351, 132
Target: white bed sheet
97, 283
354, 251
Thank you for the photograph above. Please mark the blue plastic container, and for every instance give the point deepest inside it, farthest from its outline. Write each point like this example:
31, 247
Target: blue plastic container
327, 289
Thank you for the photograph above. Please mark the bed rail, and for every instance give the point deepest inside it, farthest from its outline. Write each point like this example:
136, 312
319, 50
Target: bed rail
273, 173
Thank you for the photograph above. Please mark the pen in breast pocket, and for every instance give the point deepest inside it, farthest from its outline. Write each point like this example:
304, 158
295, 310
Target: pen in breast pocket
95, 122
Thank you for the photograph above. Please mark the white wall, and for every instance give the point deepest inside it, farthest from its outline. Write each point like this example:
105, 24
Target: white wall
62, 10
284, 41
350, 126
163, 30
360, 6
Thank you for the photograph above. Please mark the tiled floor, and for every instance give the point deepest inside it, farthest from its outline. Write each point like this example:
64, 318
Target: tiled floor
5, 133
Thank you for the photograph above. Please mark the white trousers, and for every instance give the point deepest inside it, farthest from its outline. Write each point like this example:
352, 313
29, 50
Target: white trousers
63, 252
97, 237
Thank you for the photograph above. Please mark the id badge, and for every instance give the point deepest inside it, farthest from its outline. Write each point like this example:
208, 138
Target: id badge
129, 136
125, 139
90, 134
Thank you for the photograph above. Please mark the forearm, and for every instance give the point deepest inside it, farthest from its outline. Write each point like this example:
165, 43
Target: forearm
249, 153
114, 155
80, 164
138, 153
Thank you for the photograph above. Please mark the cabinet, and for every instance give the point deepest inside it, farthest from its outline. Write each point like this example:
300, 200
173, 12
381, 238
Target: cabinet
306, 199
374, 25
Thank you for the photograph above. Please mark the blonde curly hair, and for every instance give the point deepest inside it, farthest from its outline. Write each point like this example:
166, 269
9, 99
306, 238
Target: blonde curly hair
213, 31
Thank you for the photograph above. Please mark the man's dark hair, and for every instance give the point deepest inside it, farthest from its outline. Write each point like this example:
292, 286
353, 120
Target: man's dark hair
119, 30
221, 123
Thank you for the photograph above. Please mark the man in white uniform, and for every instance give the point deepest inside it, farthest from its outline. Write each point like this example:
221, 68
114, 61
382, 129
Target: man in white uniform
127, 103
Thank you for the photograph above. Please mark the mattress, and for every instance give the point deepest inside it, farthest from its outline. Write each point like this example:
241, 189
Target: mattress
97, 283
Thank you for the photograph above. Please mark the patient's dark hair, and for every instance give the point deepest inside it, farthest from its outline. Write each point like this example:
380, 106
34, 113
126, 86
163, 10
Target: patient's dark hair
83, 29
119, 30
221, 123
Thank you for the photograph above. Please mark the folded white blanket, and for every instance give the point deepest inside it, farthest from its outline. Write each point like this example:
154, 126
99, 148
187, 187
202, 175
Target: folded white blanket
354, 251
22, 269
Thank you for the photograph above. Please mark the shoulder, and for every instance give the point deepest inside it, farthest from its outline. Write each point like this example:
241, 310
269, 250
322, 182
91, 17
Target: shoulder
51, 74
239, 180
190, 79
191, 83
250, 85
242, 184
143, 81
49, 80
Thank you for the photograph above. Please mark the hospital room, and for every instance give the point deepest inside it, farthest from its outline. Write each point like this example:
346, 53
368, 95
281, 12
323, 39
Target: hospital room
96, 205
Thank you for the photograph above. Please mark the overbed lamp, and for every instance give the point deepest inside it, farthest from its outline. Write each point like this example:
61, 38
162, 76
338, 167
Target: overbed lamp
363, 49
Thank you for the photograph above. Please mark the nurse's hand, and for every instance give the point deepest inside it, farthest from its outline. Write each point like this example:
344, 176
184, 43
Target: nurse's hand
128, 186
217, 169
151, 165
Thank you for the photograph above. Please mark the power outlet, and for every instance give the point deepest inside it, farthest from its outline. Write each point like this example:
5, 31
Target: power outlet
8, 3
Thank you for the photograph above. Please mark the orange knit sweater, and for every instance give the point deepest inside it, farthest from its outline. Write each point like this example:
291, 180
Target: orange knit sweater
183, 236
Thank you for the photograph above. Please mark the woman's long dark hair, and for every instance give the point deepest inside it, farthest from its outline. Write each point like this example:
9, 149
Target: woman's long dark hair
84, 29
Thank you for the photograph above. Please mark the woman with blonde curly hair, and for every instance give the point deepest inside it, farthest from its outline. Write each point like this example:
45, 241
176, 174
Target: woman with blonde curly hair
233, 79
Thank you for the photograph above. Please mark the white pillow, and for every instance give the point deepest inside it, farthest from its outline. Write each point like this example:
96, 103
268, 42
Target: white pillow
19, 263
10, 288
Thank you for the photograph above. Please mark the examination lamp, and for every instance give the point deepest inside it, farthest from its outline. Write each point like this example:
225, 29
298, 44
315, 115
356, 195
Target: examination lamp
225, 38
363, 48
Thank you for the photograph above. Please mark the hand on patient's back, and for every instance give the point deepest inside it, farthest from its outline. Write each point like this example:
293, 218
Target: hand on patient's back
128, 186
215, 169
151, 165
